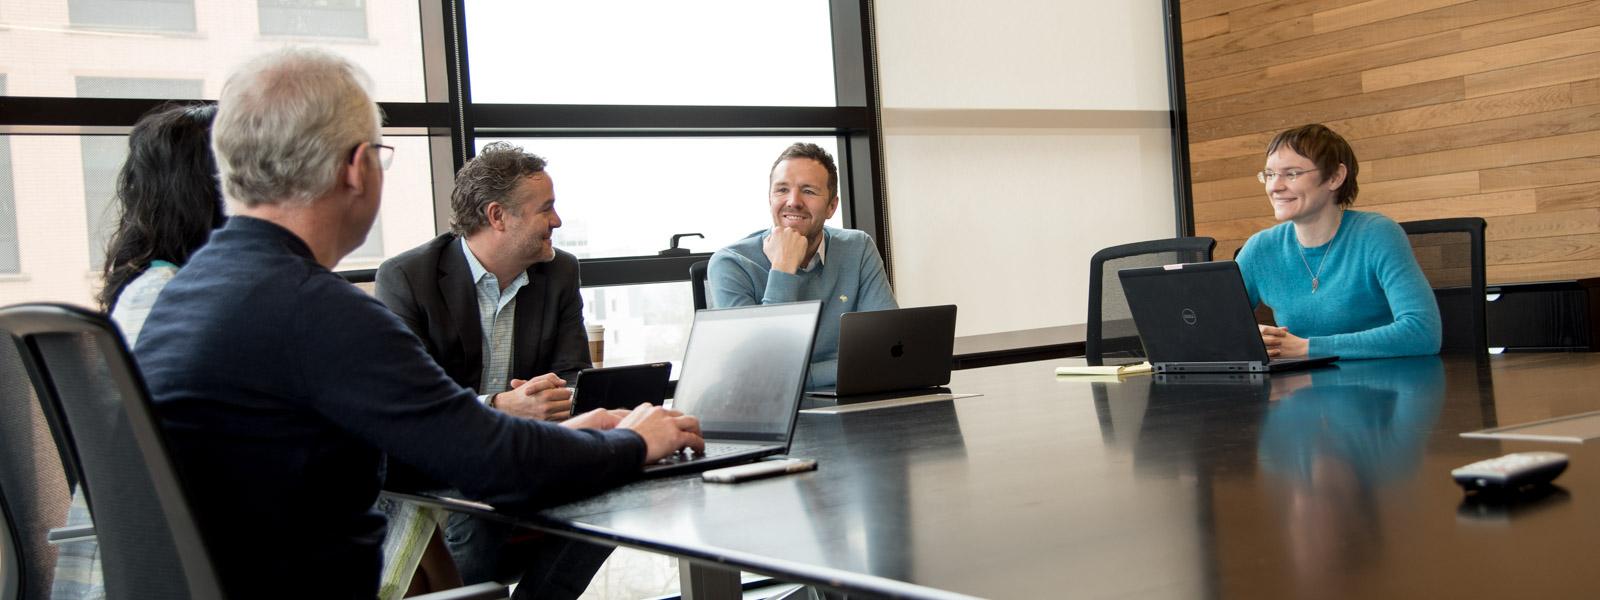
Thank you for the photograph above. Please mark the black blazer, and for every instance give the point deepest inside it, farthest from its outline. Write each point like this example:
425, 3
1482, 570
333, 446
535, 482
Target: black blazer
430, 287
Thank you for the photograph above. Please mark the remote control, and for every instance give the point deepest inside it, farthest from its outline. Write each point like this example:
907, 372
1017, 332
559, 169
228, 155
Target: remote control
1511, 471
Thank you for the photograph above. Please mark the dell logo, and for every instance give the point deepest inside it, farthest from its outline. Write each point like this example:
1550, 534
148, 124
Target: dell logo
897, 350
1188, 316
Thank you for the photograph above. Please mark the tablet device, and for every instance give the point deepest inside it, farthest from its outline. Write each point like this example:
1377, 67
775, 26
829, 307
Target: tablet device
620, 387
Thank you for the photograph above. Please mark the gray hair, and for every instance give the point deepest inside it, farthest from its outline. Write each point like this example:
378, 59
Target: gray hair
286, 122
489, 177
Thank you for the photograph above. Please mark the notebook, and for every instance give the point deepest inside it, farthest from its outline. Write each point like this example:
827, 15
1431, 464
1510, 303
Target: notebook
1196, 318
903, 351
743, 374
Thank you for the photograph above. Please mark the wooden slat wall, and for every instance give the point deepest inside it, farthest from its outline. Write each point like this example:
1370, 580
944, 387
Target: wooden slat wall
1484, 108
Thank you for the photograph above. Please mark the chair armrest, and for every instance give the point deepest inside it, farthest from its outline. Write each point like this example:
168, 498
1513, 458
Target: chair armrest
482, 591
70, 535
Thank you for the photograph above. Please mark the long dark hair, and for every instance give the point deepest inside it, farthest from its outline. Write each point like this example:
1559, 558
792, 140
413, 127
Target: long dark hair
167, 192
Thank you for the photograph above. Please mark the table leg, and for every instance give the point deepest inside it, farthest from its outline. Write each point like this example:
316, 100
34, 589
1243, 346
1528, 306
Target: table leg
700, 581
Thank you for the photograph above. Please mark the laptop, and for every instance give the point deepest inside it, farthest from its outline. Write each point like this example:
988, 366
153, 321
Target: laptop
743, 374
1196, 318
897, 352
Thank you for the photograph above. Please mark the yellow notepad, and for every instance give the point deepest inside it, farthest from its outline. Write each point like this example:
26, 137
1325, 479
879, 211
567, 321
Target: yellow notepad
1109, 370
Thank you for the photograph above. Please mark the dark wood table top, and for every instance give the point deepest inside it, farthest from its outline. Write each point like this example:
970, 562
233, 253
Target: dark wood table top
1006, 347
1332, 483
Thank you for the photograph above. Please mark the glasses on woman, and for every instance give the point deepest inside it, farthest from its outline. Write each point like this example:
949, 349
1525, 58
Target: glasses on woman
1291, 175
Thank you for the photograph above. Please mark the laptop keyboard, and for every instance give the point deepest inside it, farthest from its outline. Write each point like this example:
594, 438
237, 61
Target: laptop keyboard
712, 450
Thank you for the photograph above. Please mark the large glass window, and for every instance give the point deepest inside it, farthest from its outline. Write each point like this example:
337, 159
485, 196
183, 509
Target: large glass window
705, 53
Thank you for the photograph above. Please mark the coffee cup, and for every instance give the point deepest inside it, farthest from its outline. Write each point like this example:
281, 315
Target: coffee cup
597, 343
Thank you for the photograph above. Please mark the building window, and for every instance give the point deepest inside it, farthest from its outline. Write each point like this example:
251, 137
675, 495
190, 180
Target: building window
314, 18
155, 15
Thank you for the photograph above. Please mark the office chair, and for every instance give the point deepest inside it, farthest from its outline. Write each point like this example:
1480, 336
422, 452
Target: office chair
95, 402
35, 483
1111, 332
697, 283
1450, 252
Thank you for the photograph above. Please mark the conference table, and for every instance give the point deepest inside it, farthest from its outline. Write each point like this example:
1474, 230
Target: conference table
1328, 483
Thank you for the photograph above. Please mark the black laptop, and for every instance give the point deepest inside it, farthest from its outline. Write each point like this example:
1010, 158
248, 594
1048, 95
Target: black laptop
897, 352
743, 374
620, 387
1196, 318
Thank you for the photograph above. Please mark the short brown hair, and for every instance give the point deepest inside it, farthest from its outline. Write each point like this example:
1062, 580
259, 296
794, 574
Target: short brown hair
813, 152
1327, 150
488, 177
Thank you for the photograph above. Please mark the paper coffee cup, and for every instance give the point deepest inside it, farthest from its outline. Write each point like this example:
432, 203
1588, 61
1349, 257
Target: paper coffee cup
597, 343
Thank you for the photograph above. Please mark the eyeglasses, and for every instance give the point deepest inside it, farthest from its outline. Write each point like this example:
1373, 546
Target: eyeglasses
1268, 176
385, 154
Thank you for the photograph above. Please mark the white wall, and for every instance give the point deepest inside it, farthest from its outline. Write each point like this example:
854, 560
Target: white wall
1020, 136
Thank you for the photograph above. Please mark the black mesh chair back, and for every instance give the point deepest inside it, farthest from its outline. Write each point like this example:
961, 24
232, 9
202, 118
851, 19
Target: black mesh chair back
1111, 333
697, 283
35, 489
1450, 252
87, 382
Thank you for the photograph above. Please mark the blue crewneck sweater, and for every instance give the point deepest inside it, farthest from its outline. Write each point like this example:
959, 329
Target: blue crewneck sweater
850, 279
1372, 301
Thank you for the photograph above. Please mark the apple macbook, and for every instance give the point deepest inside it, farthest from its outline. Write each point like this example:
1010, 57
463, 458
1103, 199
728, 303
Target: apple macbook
894, 352
1196, 318
744, 372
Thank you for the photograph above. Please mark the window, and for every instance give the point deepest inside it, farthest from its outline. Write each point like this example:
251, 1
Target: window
705, 53
159, 15
319, 18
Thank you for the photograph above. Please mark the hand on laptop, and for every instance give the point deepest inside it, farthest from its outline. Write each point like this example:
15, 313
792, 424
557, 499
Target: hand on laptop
665, 431
1282, 344
785, 248
545, 398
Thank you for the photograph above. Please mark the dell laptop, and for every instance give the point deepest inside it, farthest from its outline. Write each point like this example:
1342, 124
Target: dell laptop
904, 351
1196, 318
744, 372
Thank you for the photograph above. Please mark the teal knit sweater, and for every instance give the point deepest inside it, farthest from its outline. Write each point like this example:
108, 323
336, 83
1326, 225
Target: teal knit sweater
850, 279
1372, 301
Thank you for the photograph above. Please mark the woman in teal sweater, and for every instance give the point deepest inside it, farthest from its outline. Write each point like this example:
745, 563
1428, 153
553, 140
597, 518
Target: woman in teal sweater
1339, 281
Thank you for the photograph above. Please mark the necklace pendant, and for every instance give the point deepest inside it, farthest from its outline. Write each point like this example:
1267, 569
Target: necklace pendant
1314, 283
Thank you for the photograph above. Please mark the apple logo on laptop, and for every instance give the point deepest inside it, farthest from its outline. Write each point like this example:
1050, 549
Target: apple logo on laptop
897, 350
1189, 316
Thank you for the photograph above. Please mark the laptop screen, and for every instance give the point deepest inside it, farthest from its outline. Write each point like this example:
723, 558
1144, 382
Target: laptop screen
745, 368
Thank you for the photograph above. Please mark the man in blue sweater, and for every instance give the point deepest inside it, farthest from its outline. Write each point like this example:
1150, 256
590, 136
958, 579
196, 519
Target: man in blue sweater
801, 259
281, 387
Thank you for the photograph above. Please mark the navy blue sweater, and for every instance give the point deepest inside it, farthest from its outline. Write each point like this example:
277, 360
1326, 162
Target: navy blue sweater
281, 387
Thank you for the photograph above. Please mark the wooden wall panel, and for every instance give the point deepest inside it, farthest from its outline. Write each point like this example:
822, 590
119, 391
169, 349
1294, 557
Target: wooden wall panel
1488, 108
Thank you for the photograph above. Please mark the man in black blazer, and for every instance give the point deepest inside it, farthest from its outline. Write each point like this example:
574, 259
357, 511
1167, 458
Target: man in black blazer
498, 307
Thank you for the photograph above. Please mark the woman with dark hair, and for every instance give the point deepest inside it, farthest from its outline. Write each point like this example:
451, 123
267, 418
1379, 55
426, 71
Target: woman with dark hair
169, 199
168, 195
1340, 282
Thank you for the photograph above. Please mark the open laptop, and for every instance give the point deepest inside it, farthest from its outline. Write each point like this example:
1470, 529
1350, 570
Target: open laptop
1196, 318
902, 351
743, 374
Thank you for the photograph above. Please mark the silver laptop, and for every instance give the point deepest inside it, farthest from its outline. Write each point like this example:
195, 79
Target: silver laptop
1196, 318
743, 374
905, 351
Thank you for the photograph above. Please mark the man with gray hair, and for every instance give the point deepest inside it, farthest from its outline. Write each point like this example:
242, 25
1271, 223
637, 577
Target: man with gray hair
281, 387
497, 306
